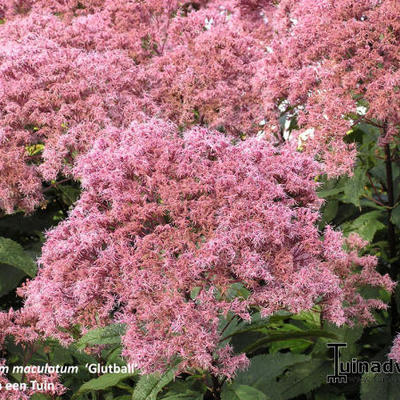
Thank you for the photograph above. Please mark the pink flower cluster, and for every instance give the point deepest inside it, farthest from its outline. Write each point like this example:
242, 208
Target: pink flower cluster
168, 222
395, 350
329, 59
68, 69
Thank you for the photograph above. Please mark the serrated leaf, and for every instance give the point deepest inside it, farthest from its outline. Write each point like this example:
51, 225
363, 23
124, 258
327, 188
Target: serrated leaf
380, 386
14, 255
312, 318
69, 194
330, 210
149, 386
370, 204
379, 172
302, 378
228, 325
110, 334
60, 355
185, 391
187, 395
264, 369
103, 382
113, 355
354, 187
365, 225
21, 225
324, 193
344, 334
257, 324
10, 278
242, 392
295, 346
395, 216
276, 337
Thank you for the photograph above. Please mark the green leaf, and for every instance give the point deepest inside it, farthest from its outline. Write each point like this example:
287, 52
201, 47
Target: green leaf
379, 172
380, 386
20, 225
35, 148
276, 337
10, 278
370, 204
395, 217
149, 386
39, 396
60, 355
324, 193
312, 318
365, 225
302, 378
258, 324
344, 334
113, 355
354, 188
264, 369
185, 391
110, 334
296, 346
329, 396
228, 325
14, 255
330, 210
370, 132
69, 194
103, 382
187, 395
241, 392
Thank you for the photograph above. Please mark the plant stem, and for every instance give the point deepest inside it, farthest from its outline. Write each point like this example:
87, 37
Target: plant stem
391, 238
55, 184
216, 388
390, 192
374, 188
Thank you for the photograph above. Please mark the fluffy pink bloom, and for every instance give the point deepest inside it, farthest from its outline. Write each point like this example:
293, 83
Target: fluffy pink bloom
206, 80
330, 59
69, 68
168, 222
395, 350
57, 97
